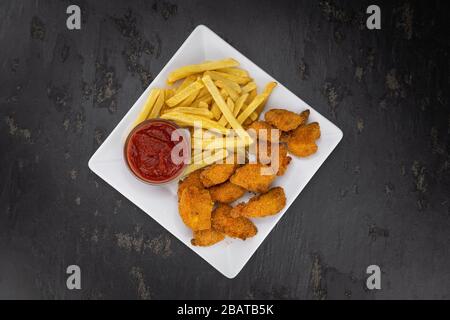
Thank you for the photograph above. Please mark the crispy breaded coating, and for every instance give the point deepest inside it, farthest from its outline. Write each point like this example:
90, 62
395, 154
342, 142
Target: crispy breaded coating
305, 116
250, 177
206, 238
192, 179
285, 135
239, 227
226, 192
262, 205
302, 142
284, 120
195, 207
264, 131
217, 173
267, 157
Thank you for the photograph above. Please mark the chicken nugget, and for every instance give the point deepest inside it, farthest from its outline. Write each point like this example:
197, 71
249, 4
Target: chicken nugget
195, 207
266, 157
255, 177
193, 179
302, 141
264, 131
206, 238
262, 205
285, 120
239, 227
226, 192
217, 173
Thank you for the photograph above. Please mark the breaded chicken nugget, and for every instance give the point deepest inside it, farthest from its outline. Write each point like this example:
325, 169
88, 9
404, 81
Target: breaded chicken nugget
226, 192
250, 177
264, 131
217, 173
262, 205
192, 179
239, 227
195, 207
302, 141
284, 120
267, 157
305, 116
205, 238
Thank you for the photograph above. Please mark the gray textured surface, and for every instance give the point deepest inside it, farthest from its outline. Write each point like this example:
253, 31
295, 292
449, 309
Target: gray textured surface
381, 198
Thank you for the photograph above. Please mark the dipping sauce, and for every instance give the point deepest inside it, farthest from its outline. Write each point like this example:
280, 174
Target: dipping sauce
148, 151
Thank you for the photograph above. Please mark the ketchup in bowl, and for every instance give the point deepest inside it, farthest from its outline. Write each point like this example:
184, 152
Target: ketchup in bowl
148, 151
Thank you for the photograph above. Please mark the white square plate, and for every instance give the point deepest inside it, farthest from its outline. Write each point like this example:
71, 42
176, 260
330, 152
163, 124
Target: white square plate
160, 202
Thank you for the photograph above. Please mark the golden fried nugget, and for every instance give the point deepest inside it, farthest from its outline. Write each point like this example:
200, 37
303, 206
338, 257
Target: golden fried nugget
239, 227
206, 238
255, 177
193, 179
226, 192
302, 141
264, 131
267, 157
282, 119
217, 173
262, 205
195, 207
285, 160
305, 116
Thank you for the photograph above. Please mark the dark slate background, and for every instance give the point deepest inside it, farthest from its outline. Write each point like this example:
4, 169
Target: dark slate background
381, 198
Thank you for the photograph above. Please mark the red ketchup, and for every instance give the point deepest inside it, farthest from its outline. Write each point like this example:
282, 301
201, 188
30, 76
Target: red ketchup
148, 151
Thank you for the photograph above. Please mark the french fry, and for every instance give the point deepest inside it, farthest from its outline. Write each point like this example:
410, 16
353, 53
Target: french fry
224, 108
187, 81
230, 104
253, 116
224, 94
201, 103
169, 93
189, 100
267, 92
236, 71
205, 161
250, 108
230, 91
223, 143
199, 68
236, 79
209, 155
239, 103
251, 96
203, 93
216, 111
249, 87
199, 111
218, 76
152, 97
204, 105
191, 120
158, 106
193, 88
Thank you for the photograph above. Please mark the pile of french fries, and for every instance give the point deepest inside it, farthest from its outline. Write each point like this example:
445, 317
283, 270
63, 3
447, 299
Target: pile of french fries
216, 95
